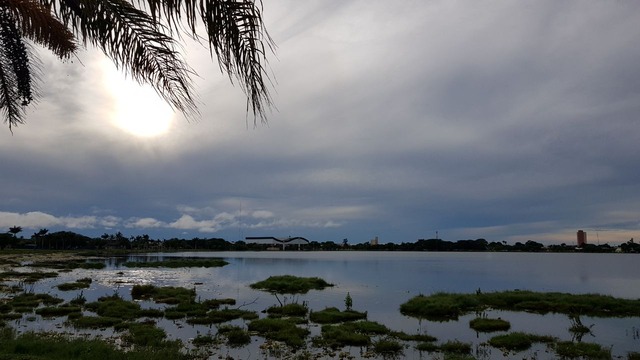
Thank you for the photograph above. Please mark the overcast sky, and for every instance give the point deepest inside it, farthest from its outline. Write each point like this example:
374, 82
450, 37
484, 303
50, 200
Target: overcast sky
504, 120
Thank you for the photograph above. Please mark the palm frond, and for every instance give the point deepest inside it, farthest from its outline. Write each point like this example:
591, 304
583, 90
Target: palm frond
235, 33
37, 23
135, 42
15, 73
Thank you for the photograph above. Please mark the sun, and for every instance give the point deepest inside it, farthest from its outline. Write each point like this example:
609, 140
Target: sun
137, 109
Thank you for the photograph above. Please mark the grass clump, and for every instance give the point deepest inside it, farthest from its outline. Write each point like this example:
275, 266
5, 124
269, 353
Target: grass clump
83, 283
289, 284
236, 336
163, 295
220, 316
177, 263
26, 302
447, 306
145, 334
204, 340
333, 315
413, 337
115, 307
337, 336
32, 346
27, 277
387, 347
288, 310
455, 347
518, 341
53, 311
280, 330
94, 322
69, 264
483, 324
571, 350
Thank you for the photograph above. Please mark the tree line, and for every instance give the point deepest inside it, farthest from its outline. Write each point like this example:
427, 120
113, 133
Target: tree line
67, 240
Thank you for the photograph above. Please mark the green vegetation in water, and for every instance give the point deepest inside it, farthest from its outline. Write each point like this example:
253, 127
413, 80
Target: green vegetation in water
177, 263
633, 356
236, 336
32, 346
333, 315
453, 347
482, 324
115, 307
292, 309
580, 350
387, 347
220, 316
163, 295
518, 341
145, 334
26, 302
54, 311
69, 264
83, 283
413, 337
94, 322
26, 277
289, 284
447, 306
357, 333
280, 330
204, 340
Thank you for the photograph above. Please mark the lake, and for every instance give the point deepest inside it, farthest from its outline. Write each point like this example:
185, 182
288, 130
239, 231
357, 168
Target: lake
379, 282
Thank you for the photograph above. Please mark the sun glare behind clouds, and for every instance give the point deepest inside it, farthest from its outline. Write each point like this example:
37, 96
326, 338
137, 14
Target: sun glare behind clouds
137, 109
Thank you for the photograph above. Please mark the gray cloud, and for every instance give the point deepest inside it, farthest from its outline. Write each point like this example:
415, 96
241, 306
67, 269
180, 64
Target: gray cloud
504, 120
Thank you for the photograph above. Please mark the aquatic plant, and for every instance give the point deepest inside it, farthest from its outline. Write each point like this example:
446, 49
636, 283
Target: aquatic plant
289, 284
58, 347
333, 315
337, 336
447, 306
83, 283
280, 330
163, 295
518, 341
293, 309
568, 349
176, 263
482, 324
115, 307
236, 336
387, 347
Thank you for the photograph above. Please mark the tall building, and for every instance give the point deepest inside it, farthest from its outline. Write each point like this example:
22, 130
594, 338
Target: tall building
582, 238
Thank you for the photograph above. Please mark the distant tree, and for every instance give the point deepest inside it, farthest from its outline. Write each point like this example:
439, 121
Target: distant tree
140, 37
15, 230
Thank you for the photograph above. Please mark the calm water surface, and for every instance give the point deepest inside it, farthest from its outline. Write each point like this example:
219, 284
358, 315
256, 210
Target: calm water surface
379, 282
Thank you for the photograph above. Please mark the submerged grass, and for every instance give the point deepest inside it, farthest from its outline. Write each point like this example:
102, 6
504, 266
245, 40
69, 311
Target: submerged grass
447, 306
289, 284
69, 264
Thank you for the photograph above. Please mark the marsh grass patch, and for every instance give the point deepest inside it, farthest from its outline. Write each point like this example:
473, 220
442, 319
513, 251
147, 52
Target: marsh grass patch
289, 284
333, 315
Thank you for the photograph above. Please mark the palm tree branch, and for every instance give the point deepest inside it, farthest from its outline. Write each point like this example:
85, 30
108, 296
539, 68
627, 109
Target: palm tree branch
37, 23
235, 33
135, 42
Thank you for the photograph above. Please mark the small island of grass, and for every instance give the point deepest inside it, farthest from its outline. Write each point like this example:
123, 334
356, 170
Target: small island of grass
289, 284
447, 306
